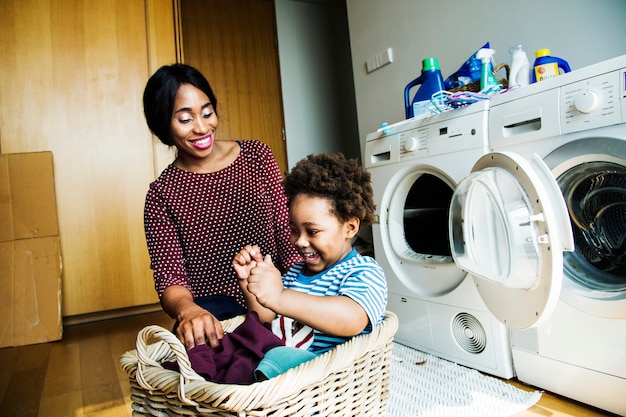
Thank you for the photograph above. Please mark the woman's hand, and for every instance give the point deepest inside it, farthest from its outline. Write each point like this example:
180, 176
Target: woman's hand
196, 326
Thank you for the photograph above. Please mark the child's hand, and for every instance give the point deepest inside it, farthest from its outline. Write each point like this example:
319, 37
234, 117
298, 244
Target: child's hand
245, 260
265, 282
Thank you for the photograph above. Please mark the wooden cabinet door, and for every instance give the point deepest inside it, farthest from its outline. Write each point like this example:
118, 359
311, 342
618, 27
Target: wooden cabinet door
233, 43
72, 75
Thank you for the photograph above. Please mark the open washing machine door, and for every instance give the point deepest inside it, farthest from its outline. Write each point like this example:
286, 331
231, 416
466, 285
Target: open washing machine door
508, 228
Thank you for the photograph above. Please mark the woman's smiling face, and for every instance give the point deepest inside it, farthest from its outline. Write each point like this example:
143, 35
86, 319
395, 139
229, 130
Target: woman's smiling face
316, 232
193, 122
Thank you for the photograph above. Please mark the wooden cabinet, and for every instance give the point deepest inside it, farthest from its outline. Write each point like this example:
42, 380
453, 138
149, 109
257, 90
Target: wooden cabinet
237, 52
71, 81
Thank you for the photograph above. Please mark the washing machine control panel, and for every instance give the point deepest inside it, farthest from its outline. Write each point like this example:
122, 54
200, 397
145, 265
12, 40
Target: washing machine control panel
447, 132
593, 102
446, 136
588, 98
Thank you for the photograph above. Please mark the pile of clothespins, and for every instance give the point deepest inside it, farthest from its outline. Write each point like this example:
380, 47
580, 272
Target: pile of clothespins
443, 101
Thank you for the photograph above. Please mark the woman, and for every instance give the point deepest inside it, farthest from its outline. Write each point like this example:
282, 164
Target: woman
213, 199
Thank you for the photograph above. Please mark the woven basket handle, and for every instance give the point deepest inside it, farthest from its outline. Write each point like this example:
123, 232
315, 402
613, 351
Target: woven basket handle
148, 355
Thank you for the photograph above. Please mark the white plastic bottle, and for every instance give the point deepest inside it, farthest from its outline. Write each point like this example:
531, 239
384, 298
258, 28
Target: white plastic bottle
519, 75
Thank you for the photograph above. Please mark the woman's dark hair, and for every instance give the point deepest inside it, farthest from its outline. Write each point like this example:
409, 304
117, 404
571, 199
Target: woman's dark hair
160, 93
340, 180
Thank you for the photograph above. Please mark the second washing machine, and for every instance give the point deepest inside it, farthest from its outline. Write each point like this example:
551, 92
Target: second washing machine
577, 124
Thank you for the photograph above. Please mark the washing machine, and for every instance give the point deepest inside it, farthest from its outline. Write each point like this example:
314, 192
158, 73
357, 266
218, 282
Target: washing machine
415, 168
576, 124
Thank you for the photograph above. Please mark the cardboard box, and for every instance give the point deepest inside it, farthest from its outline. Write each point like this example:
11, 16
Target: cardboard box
27, 197
30, 256
30, 291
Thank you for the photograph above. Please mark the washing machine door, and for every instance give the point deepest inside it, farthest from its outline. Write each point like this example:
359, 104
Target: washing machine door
508, 228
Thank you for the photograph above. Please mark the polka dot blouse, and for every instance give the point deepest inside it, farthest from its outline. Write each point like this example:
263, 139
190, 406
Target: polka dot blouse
196, 223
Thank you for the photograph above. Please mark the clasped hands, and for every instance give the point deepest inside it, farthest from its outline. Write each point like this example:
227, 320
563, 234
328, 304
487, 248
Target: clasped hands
258, 275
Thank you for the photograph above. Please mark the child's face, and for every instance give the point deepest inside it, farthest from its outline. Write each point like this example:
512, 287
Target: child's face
320, 237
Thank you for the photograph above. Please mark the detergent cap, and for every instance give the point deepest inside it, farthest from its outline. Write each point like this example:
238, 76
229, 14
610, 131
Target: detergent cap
517, 49
429, 64
542, 52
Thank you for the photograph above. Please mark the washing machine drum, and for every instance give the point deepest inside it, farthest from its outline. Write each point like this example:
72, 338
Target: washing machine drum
595, 194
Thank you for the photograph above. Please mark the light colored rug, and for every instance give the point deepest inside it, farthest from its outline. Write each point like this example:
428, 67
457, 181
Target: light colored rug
423, 385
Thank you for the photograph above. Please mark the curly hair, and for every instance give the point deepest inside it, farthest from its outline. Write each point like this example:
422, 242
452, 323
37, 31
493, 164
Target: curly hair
340, 180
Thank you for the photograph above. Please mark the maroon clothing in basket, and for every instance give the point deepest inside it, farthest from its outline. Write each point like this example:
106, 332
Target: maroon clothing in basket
237, 356
196, 223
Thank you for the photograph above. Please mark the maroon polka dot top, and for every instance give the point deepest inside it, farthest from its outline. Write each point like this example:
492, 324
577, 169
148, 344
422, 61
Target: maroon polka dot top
196, 223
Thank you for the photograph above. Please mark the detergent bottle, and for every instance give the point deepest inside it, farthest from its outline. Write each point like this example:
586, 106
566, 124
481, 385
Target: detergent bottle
520, 67
547, 66
431, 82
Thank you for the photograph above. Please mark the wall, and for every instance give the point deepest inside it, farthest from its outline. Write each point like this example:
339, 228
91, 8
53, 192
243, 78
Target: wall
316, 78
579, 31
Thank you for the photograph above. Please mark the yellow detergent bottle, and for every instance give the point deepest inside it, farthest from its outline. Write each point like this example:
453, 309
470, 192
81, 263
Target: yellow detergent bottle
547, 66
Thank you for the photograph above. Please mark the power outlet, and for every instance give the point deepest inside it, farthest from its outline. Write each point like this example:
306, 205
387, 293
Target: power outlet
379, 60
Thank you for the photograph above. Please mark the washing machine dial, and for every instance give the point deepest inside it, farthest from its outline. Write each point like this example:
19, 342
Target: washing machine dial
587, 102
411, 143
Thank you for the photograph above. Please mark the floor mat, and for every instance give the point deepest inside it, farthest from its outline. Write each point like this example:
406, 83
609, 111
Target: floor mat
423, 385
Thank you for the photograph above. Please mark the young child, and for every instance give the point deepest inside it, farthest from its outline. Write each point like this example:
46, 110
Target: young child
335, 291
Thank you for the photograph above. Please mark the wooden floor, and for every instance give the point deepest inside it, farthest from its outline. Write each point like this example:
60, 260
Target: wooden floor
80, 376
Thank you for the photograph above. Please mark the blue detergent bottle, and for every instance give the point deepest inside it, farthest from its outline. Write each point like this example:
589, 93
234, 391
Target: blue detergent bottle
431, 82
547, 66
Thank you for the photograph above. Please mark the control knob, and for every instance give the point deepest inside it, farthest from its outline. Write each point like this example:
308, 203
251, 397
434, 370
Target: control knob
410, 144
587, 102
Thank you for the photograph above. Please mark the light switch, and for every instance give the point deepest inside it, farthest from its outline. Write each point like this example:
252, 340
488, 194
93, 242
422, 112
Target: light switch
379, 60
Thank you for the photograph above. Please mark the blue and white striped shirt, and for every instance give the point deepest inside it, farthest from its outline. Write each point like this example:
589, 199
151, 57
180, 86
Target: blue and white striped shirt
356, 276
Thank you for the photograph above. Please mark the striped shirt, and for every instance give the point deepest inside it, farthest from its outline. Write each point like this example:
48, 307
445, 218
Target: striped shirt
356, 276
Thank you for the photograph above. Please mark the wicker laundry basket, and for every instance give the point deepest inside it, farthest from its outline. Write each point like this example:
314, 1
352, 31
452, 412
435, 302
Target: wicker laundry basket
350, 380
474, 86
